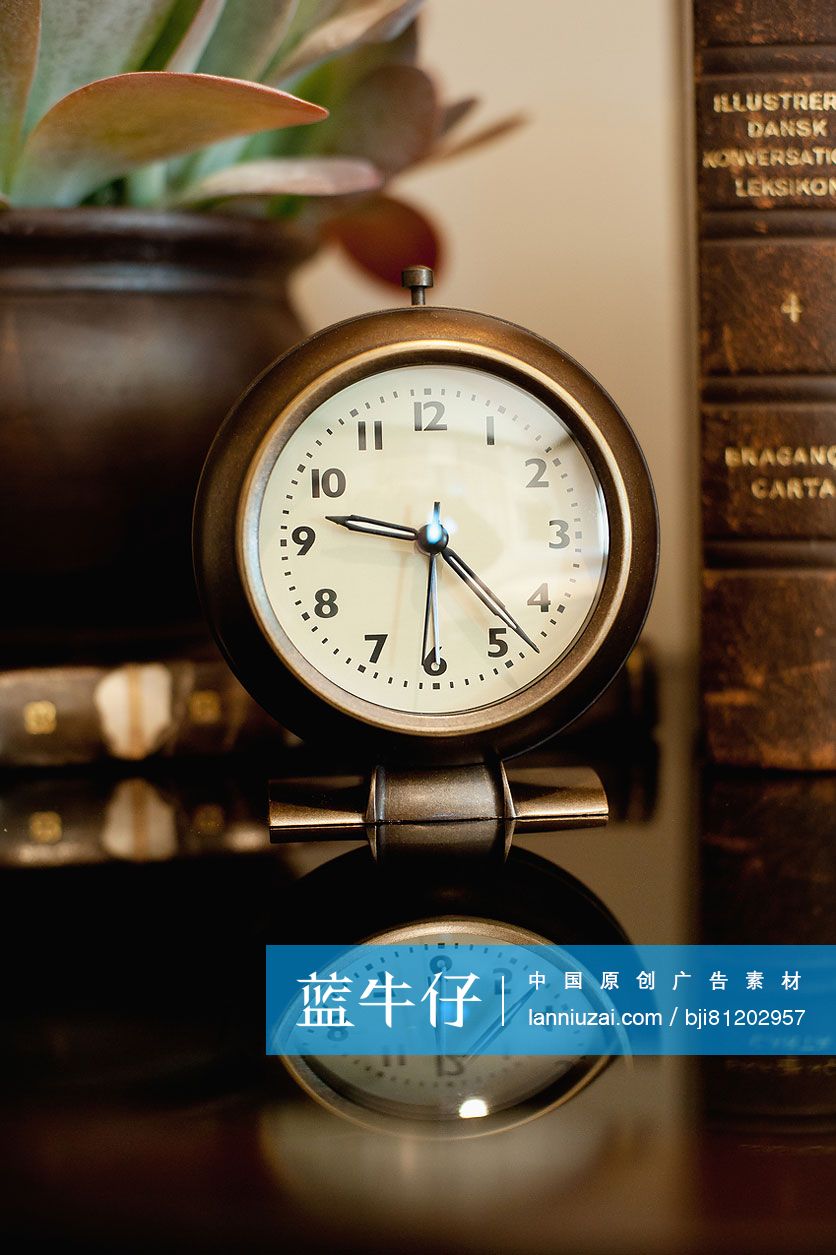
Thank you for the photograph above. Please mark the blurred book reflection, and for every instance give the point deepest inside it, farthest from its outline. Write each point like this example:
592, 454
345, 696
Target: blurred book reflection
768, 875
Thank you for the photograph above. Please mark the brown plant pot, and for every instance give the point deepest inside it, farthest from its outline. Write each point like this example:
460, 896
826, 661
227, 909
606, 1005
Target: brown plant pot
125, 336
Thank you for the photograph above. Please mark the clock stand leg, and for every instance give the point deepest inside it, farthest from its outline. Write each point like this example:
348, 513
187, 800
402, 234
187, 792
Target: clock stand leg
459, 814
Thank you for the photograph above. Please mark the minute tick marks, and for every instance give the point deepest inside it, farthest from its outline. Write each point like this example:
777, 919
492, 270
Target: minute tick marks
368, 498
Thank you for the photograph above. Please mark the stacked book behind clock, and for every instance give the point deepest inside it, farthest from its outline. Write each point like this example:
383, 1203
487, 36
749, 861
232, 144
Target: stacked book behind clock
181, 708
149, 761
766, 132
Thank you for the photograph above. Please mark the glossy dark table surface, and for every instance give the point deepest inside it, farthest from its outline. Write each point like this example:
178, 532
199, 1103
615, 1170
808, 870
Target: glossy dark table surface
139, 1112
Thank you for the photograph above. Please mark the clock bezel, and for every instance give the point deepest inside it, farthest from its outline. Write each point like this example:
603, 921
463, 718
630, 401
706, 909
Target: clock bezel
228, 506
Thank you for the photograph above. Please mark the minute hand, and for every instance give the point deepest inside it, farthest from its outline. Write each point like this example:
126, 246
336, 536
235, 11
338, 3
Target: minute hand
484, 594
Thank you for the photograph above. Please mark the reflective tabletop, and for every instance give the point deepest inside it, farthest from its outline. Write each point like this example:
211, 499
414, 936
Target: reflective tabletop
141, 1113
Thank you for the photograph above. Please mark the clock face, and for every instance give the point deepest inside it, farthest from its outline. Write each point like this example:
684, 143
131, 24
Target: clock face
432, 539
464, 1089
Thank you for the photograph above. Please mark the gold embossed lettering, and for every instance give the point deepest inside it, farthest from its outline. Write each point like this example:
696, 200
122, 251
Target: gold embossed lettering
766, 189
205, 707
774, 102
808, 488
45, 827
40, 718
779, 455
787, 128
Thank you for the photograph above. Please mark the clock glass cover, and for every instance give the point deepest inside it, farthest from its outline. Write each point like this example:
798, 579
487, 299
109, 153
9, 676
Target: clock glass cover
431, 539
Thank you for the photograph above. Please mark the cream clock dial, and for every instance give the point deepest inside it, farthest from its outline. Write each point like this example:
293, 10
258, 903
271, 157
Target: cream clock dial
432, 538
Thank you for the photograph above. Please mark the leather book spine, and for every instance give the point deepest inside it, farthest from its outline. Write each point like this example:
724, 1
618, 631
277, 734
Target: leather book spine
768, 877
766, 188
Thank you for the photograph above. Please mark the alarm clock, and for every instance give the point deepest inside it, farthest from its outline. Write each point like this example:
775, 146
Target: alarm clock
429, 537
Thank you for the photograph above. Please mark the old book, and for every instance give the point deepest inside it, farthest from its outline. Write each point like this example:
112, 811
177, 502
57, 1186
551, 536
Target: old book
768, 877
73, 715
766, 183
57, 716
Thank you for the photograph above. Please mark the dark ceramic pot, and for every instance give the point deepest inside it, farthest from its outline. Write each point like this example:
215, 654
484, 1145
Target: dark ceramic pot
125, 337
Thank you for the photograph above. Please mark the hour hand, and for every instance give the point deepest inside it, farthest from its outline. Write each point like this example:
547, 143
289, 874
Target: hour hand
373, 527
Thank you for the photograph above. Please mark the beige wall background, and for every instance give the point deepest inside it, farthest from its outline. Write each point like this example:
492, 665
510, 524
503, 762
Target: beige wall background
577, 226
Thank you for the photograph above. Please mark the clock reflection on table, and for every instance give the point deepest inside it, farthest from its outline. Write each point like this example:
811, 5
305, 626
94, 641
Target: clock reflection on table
530, 902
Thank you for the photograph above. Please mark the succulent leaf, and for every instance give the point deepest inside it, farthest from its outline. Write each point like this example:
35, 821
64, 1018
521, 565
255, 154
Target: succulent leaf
151, 102
185, 35
384, 235
329, 29
115, 125
390, 117
487, 135
329, 85
20, 22
308, 14
241, 48
453, 115
82, 40
246, 37
285, 176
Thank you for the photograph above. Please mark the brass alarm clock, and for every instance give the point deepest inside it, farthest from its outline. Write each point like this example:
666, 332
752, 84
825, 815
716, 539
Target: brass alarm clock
426, 535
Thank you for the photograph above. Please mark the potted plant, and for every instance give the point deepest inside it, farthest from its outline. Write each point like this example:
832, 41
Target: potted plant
130, 317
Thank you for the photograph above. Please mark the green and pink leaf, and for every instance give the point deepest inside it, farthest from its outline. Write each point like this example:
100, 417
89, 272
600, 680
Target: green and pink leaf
487, 135
349, 24
245, 39
390, 117
185, 36
284, 176
83, 40
115, 125
384, 235
20, 27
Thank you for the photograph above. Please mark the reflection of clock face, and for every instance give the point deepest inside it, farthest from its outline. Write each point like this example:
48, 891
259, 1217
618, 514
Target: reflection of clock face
460, 1095
518, 503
